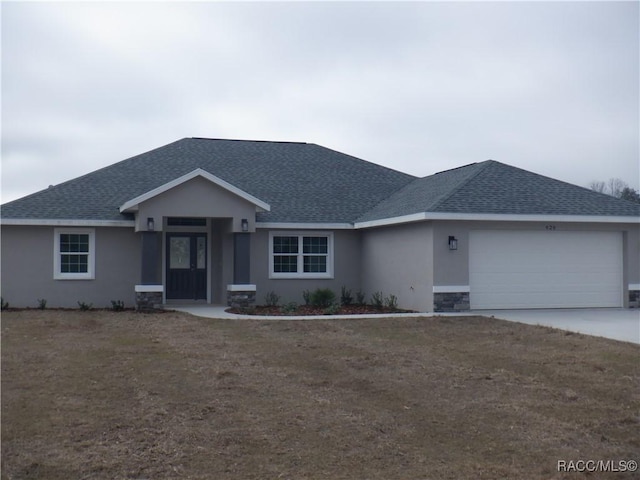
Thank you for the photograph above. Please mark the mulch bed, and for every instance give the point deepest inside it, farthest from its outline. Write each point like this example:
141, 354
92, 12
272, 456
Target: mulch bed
308, 310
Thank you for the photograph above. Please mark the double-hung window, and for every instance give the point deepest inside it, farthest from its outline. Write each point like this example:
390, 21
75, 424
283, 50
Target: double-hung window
74, 254
301, 255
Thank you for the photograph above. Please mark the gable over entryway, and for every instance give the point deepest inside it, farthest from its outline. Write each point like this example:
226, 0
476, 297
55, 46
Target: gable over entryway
196, 194
184, 224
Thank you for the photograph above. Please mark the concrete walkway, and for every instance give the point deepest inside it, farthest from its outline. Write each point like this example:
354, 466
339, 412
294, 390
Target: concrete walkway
218, 311
615, 323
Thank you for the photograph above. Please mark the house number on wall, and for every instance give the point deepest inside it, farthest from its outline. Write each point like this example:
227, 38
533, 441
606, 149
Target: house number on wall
550, 227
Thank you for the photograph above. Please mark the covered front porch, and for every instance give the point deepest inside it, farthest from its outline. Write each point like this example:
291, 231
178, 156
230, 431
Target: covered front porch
195, 260
195, 240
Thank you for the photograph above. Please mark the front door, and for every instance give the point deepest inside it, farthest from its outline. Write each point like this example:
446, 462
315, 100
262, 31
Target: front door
186, 266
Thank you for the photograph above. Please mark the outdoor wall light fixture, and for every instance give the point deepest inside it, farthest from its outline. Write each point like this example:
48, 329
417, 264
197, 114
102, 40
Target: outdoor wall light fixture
151, 224
244, 225
453, 243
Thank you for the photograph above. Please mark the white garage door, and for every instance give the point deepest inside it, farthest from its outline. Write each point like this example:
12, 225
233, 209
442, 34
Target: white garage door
545, 269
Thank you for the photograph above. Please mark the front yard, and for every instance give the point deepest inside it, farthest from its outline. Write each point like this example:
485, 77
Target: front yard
103, 395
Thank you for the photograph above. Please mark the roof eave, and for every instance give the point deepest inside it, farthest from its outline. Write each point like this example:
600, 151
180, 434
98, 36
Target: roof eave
305, 225
502, 217
65, 222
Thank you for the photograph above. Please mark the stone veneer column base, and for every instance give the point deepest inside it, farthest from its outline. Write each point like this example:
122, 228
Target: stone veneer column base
447, 299
634, 298
241, 296
148, 297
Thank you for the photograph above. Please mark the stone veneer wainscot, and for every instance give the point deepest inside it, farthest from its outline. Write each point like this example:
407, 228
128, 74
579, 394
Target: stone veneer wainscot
241, 296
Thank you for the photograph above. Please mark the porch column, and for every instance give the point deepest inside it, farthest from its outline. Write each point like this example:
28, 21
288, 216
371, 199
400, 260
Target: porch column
242, 293
241, 258
150, 271
149, 292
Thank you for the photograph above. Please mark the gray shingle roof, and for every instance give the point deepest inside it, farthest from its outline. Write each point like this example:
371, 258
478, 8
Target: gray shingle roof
307, 183
495, 188
420, 195
302, 182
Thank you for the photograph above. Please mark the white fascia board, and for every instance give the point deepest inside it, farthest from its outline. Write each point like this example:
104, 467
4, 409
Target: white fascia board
66, 222
415, 217
305, 226
634, 286
497, 217
132, 204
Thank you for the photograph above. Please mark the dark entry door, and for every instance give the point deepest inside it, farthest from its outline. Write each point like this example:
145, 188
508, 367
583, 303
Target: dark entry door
187, 266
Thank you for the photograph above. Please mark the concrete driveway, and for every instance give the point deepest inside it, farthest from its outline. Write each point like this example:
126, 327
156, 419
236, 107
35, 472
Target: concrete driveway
616, 323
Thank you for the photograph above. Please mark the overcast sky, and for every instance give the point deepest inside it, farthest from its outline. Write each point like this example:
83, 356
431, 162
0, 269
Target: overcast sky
551, 87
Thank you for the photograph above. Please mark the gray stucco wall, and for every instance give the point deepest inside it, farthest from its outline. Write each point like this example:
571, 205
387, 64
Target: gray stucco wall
27, 269
346, 268
632, 254
408, 260
404, 260
399, 260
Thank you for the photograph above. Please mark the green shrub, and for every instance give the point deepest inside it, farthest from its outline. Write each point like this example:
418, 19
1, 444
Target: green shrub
3, 305
391, 302
306, 296
361, 298
85, 306
345, 296
117, 305
377, 300
42, 303
322, 297
332, 309
290, 308
271, 299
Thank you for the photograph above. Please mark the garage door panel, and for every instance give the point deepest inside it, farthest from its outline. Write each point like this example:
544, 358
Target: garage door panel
547, 279
515, 300
520, 269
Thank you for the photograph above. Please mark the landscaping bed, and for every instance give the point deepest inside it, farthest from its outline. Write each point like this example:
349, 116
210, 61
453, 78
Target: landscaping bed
308, 310
323, 301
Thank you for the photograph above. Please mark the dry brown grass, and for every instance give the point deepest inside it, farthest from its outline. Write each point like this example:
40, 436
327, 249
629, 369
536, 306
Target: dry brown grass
101, 395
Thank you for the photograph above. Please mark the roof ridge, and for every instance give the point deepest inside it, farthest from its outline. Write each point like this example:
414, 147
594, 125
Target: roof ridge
573, 185
450, 194
248, 141
377, 165
557, 180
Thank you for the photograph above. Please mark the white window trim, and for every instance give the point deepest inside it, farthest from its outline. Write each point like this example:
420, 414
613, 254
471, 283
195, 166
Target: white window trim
91, 260
300, 273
